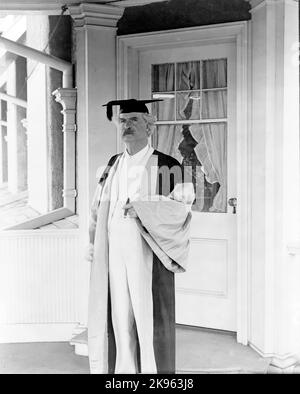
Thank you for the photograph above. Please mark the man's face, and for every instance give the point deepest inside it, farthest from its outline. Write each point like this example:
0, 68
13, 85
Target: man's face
133, 127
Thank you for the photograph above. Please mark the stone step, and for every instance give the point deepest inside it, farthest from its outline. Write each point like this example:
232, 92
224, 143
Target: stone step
80, 342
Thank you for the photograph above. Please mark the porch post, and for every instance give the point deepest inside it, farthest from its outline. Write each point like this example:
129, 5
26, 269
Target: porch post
95, 29
275, 297
96, 81
16, 136
37, 128
3, 145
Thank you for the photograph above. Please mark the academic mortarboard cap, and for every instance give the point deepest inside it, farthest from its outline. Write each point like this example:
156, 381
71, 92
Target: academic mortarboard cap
126, 106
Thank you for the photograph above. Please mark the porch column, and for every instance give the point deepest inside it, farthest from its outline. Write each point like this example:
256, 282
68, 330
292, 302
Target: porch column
96, 80
38, 191
3, 144
16, 136
275, 272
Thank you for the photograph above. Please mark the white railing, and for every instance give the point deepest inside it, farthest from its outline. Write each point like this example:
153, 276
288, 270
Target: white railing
51, 61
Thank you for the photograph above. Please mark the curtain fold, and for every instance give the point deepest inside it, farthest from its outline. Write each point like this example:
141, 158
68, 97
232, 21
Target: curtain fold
212, 153
188, 75
165, 138
188, 78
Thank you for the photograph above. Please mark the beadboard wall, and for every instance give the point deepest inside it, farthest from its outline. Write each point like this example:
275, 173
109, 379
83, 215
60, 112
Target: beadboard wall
43, 285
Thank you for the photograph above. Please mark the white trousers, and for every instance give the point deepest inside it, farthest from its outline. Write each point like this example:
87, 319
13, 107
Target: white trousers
130, 277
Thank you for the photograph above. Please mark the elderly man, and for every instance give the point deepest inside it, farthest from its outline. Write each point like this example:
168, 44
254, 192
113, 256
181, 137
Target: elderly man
138, 239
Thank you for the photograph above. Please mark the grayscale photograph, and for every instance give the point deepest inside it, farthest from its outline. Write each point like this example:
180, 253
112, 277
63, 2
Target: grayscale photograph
149, 189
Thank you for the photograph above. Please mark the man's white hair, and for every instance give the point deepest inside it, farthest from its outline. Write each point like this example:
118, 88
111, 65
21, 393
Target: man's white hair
150, 121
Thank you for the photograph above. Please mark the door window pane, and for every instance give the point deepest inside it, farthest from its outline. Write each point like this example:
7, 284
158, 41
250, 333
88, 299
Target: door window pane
214, 104
188, 105
214, 74
202, 150
163, 77
188, 76
164, 110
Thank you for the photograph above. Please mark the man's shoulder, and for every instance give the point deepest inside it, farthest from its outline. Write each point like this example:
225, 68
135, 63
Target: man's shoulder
102, 172
164, 159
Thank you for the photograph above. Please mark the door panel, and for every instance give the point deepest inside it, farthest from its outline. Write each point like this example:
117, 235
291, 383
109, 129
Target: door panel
196, 125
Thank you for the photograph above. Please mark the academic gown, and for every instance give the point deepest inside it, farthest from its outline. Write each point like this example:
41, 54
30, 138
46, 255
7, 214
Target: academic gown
102, 348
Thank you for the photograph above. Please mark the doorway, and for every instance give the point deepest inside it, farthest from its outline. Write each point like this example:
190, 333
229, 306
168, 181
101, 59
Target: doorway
202, 76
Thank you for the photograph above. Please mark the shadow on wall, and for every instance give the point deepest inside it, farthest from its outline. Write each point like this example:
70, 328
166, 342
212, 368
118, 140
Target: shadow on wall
176, 14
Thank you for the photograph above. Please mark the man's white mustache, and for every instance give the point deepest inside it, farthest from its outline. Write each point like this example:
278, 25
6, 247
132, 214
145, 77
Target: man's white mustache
128, 131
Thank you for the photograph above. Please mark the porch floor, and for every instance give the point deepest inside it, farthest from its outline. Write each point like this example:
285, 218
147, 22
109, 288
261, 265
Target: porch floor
198, 351
14, 208
212, 351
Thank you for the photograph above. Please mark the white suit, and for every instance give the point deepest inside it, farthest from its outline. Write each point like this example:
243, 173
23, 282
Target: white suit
130, 270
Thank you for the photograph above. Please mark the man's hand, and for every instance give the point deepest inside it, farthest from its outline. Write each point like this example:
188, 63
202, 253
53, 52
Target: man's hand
129, 211
89, 253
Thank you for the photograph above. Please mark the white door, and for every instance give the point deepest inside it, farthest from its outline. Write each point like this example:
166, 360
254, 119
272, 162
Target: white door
196, 124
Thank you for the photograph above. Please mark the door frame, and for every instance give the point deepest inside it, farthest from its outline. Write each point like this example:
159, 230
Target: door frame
128, 49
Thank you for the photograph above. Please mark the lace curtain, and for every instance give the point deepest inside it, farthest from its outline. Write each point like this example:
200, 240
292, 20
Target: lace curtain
209, 139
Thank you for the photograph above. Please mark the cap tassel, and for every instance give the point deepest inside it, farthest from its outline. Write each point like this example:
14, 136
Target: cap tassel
109, 112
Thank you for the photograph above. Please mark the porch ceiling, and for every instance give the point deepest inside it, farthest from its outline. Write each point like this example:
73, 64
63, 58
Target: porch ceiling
44, 3
39, 6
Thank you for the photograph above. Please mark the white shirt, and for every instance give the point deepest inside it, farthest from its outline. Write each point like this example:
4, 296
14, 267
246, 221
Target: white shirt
127, 180
131, 173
